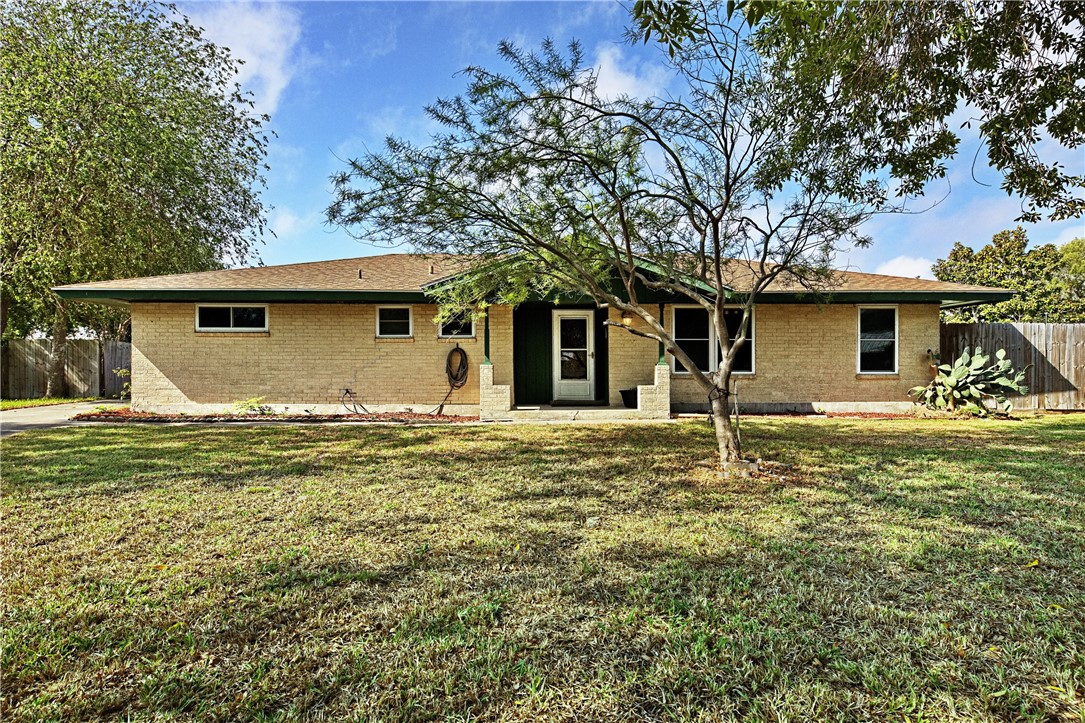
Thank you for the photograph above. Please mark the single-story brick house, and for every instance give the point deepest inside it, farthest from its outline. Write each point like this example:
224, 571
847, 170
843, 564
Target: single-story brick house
299, 334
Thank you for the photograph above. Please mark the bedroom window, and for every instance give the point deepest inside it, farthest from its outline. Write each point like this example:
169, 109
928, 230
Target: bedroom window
394, 322
744, 360
458, 327
697, 338
877, 353
223, 317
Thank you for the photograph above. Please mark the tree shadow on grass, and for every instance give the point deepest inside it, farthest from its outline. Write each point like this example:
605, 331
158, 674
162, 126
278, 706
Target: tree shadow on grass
878, 578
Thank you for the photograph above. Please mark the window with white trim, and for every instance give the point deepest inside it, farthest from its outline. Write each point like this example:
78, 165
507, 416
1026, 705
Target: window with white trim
458, 327
697, 338
877, 353
394, 322
225, 317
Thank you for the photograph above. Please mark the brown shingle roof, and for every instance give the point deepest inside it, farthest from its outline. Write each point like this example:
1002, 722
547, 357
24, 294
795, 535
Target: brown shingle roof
389, 272
739, 277
409, 273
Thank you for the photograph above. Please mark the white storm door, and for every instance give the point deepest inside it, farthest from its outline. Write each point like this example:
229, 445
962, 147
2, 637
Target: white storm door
574, 355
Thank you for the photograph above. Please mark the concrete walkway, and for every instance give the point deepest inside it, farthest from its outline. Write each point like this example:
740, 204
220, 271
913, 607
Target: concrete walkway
54, 415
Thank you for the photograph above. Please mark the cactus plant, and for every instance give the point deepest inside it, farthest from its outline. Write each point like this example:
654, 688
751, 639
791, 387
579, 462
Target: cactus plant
970, 386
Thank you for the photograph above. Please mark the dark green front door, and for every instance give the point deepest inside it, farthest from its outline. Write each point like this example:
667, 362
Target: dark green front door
532, 353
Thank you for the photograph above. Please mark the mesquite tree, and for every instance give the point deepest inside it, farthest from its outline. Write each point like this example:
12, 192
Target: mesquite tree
126, 149
708, 196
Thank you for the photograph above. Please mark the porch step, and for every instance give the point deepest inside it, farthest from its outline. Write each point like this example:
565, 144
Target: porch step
579, 414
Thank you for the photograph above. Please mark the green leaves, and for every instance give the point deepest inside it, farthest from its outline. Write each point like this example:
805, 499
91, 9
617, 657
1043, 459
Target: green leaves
970, 386
1040, 275
903, 68
128, 149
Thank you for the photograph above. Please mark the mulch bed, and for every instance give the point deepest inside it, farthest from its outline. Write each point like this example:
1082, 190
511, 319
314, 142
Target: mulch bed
870, 415
128, 415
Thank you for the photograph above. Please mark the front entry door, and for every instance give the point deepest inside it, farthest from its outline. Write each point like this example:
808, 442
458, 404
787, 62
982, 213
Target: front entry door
574, 355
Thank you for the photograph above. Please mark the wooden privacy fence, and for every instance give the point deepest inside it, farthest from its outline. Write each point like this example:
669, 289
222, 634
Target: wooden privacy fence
88, 368
1055, 351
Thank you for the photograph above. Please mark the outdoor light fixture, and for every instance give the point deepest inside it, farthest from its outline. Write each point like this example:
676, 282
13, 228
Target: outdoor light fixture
627, 318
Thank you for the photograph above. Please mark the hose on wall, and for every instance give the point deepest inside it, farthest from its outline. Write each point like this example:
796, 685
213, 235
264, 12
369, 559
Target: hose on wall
456, 368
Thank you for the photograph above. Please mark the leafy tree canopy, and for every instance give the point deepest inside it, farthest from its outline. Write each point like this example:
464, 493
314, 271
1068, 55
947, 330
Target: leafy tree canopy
126, 148
1038, 275
556, 187
903, 68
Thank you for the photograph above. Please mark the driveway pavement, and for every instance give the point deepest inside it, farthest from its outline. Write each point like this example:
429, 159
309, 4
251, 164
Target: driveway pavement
55, 415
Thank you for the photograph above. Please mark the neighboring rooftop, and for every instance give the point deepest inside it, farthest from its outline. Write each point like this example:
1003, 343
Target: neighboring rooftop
402, 277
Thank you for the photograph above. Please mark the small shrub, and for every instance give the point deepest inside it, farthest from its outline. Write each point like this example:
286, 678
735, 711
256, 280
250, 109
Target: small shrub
126, 388
255, 405
970, 386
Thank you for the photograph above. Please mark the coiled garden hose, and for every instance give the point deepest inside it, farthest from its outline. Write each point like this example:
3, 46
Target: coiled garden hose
456, 368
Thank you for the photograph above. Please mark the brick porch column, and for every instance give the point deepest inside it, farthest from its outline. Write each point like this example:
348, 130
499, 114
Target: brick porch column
494, 400
654, 400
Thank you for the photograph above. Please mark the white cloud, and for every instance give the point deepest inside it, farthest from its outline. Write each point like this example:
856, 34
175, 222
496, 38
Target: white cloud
616, 77
909, 266
289, 225
265, 36
931, 234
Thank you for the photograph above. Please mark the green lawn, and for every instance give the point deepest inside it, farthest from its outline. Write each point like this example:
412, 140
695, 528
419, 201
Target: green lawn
6, 404
904, 570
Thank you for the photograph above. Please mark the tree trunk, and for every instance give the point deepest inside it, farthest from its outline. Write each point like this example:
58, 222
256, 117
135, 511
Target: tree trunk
726, 438
56, 384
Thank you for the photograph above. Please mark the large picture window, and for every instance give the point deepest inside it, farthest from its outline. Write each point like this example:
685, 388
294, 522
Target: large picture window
697, 338
878, 340
394, 321
223, 317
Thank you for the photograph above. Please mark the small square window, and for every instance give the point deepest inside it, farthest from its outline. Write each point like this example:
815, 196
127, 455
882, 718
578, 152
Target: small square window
459, 327
394, 321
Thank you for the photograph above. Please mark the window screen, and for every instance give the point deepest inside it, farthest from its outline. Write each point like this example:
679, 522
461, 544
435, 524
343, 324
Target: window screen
393, 322
692, 335
458, 327
877, 341
231, 318
744, 361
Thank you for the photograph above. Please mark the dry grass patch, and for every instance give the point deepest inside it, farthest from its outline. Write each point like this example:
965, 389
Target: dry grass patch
885, 570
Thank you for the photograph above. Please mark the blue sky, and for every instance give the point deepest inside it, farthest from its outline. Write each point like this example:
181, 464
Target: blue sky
338, 77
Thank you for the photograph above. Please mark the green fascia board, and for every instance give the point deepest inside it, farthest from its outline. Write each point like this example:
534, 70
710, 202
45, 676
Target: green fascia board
299, 296
691, 280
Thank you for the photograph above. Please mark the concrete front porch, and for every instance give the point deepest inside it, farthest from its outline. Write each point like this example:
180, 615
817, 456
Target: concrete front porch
496, 402
547, 412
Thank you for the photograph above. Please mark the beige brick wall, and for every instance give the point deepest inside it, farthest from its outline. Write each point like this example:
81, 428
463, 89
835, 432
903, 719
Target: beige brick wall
804, 353
310, 353
631, 359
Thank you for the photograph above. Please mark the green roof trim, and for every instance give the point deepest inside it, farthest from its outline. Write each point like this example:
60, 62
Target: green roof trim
686, 278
